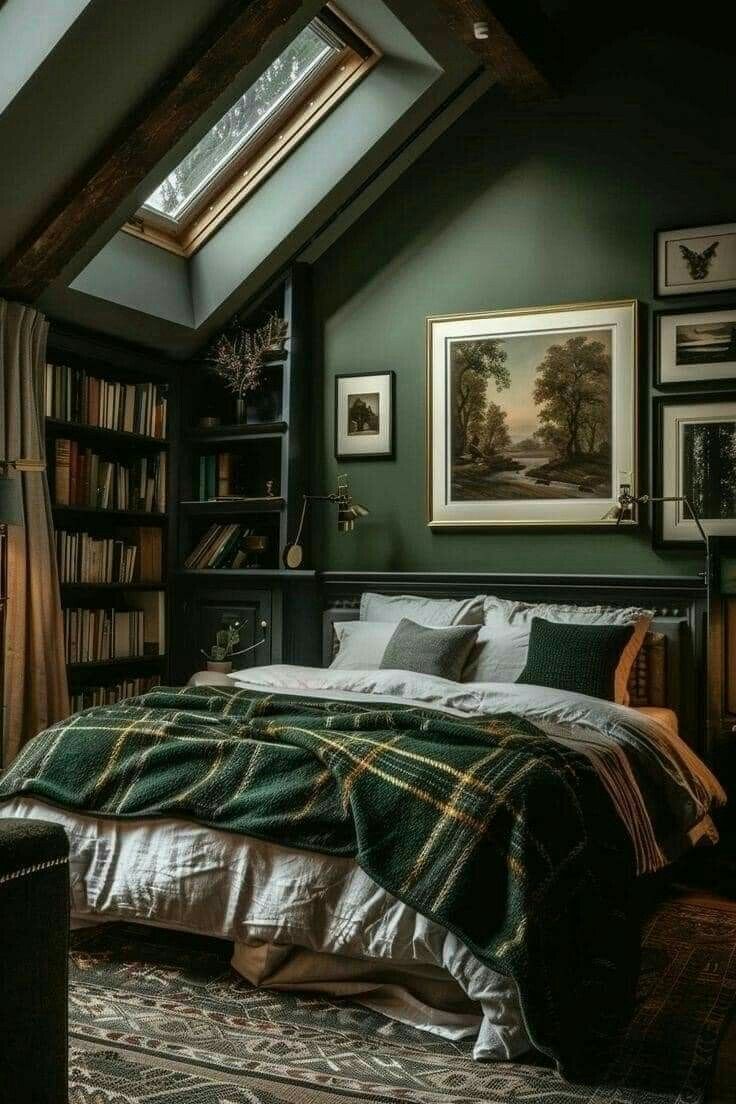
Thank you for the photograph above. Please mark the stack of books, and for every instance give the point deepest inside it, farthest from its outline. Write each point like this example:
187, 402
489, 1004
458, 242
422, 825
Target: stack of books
72, 395
85, 559
97, 635
222, 546
108, 695
216, 476
134, 555
82, 478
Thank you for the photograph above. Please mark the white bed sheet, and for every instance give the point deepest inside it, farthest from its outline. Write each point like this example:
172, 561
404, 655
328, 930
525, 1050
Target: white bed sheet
175, 874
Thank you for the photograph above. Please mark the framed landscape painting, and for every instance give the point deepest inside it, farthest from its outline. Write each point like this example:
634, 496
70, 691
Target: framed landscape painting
699, 258
364, 416
531, 415
695, 458
695, 347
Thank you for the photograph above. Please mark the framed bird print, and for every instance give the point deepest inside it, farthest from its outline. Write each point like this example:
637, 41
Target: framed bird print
532, 415
697, 259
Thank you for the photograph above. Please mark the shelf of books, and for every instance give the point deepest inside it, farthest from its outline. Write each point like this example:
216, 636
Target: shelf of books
107, 421
242, 477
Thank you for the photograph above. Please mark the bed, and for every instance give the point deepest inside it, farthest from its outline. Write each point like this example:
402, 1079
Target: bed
366, 891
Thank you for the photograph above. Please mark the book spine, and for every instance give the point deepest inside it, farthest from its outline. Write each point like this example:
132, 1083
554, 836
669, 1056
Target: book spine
62, 473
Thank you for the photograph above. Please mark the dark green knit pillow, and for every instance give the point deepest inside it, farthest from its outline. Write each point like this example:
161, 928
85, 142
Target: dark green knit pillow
441, 652
582, 658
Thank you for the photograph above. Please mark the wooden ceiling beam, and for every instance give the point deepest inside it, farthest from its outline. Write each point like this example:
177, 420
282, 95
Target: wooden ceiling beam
511, 65
189, 89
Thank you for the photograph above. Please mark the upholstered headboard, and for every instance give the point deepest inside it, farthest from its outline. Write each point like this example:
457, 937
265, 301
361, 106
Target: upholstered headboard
669, 670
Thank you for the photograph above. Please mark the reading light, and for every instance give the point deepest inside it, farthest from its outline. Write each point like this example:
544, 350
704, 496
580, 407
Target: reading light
348, 512
627, 503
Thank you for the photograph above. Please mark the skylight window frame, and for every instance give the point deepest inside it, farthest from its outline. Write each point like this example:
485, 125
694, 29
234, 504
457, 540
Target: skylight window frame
301, 111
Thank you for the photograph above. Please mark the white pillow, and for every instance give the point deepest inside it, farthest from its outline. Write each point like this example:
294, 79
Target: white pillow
433, 612
499, 654
505, 612
361, 644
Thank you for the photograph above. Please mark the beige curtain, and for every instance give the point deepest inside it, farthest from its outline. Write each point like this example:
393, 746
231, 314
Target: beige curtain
35, 690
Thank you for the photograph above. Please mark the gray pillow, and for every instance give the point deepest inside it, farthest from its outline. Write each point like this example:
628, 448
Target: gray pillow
441, 652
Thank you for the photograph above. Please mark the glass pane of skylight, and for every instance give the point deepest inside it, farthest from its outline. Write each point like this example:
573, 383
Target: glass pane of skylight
308, 51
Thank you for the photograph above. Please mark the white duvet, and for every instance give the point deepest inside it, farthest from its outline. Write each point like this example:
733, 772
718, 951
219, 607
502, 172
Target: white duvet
287, 910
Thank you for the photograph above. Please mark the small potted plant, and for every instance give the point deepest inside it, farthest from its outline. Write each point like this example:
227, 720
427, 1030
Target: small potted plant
219, 657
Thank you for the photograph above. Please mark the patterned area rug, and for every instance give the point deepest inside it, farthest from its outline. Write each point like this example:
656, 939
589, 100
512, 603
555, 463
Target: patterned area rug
159, 1018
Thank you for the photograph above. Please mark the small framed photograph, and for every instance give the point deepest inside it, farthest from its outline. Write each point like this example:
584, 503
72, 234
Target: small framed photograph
364, 417
695, 348
695, 458
700, 258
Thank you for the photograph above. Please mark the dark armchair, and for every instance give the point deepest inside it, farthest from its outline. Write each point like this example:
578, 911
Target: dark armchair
34, 945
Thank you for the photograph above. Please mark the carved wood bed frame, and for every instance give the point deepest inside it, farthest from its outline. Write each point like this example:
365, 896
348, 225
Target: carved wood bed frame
670, 670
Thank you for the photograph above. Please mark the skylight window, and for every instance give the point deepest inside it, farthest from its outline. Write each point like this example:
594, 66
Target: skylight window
289, 98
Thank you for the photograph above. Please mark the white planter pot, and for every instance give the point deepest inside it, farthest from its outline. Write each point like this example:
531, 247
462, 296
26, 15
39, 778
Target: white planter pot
223, 667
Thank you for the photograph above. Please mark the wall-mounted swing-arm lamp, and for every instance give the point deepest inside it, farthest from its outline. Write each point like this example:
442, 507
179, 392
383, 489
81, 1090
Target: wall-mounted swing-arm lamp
627, 503
348, 513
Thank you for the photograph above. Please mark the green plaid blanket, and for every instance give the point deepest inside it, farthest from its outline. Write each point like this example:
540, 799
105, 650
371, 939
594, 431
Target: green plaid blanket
503, 836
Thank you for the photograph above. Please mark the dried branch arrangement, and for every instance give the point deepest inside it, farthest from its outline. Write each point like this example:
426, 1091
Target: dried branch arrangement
238, 355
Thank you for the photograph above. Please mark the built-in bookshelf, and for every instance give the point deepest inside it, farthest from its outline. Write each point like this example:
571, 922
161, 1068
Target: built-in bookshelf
243, 462
110, 419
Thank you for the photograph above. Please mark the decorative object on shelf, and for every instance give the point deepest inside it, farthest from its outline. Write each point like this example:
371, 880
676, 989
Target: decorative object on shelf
348, 512
695, 347
696, 259
222, 653
695, 466
254, 547
270, 485
364, 416
239, 354
530, 413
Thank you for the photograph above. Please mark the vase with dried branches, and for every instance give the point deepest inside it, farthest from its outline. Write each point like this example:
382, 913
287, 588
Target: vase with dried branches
238, 355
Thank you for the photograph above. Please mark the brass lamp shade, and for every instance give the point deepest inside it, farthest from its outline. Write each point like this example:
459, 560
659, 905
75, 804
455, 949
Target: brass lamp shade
11, 501
347, 514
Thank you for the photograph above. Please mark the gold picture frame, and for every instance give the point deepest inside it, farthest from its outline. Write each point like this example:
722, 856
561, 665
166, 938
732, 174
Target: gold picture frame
469, 485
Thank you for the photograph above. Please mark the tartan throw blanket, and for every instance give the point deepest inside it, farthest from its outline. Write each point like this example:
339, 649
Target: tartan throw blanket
487, 826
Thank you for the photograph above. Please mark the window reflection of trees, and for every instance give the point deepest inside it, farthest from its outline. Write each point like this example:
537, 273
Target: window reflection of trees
243, 118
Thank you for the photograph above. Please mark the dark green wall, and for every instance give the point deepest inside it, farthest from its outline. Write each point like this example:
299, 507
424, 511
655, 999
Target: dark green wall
514, 208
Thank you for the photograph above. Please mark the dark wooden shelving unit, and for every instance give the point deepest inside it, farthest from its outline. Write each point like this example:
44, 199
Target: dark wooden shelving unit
235, 508
270, 444
232, 434
116, 362
246, 573
57, 427
104, 588
121, 662
124, 517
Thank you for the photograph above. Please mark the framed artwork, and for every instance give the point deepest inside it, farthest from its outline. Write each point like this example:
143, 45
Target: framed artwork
695, 457
700, 258
531, 415
364, 416
695, 347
